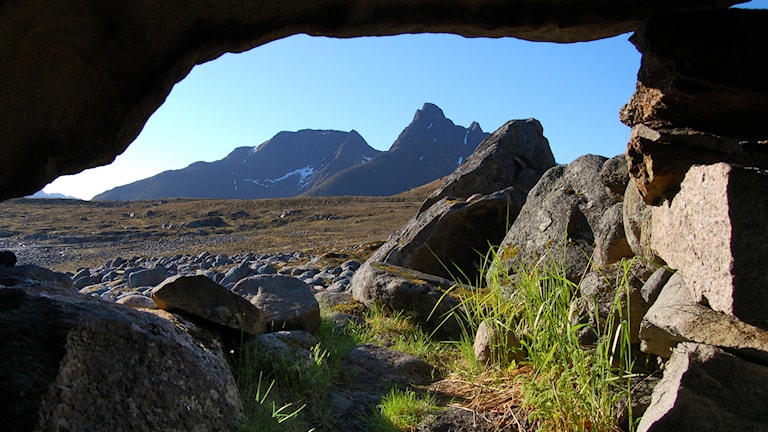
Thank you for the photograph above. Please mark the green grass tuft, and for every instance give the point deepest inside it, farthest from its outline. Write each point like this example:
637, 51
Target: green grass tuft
567, 386
401, 410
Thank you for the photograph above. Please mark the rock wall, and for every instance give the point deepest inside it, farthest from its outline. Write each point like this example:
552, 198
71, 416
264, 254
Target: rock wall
80, 78
697, 203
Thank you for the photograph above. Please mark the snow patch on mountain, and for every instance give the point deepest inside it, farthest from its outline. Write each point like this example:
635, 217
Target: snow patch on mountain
303, 174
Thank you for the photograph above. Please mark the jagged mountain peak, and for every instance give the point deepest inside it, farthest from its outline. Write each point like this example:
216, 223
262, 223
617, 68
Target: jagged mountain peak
430, 147
431, 132
429, 112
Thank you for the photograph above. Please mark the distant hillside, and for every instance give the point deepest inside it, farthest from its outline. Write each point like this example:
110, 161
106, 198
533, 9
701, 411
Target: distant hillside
431, 147
319, 163
43, 195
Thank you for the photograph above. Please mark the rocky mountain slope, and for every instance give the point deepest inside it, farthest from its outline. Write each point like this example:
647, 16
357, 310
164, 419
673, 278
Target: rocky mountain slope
286, 165
319, 163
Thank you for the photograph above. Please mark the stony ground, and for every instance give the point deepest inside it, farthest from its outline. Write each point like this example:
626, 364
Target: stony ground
65, 235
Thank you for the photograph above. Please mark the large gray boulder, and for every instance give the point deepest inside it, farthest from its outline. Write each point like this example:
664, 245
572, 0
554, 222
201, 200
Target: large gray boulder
707, 389
515, 155
286, 302
451, 238
72, 362
559, 218
421, 296
203, 298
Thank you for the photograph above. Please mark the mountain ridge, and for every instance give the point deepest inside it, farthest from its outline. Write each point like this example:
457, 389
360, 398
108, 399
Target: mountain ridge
312, 162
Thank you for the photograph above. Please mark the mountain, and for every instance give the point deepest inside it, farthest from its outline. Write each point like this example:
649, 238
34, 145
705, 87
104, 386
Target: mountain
431, 147
44, 195
285, 165
319, 163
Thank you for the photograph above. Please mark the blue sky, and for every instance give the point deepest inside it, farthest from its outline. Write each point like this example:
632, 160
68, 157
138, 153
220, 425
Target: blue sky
375, 85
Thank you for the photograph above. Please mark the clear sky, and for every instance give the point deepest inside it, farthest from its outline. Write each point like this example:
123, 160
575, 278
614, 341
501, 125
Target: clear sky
375, 85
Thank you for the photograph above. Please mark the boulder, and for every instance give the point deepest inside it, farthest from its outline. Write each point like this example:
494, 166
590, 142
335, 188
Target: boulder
208, 222
420, 296
147, 277
7, 259
558, 219
373, 363
201, 297
515, 155
699, 70
637, 223
451, 238
714, 233
653, 286
136, 301
337, 300
71, 362
495, 345
707, 389
611, 244
675, 317
29, 273
615, 176
233, 275
600, 289
287, 303
288, 349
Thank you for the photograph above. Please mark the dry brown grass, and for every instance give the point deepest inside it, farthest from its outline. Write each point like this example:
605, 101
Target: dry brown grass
494, 396
68, 234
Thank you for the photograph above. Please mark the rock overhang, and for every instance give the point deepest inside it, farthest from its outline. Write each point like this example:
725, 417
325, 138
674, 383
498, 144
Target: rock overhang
80, 79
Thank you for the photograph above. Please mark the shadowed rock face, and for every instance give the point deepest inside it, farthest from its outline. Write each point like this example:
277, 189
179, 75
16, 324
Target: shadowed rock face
80, 78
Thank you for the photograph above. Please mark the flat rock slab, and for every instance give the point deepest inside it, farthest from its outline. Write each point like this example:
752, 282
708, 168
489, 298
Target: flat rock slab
287, 303
707, 389
675, 317
203, 298
376, 363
